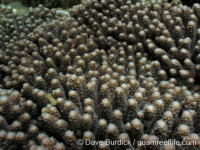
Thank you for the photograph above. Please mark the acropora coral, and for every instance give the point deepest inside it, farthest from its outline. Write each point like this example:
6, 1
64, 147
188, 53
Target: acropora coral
114, 69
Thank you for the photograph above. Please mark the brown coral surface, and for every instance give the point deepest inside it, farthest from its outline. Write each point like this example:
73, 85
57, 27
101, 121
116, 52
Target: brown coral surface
114, 70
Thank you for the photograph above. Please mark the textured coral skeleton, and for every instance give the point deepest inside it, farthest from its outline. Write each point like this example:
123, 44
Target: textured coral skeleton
118, 70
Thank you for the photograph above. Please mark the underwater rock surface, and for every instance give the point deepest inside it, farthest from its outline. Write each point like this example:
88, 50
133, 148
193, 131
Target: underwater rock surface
51, 3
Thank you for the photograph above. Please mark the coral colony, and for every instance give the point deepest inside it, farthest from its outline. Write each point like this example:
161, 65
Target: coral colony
114, 70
